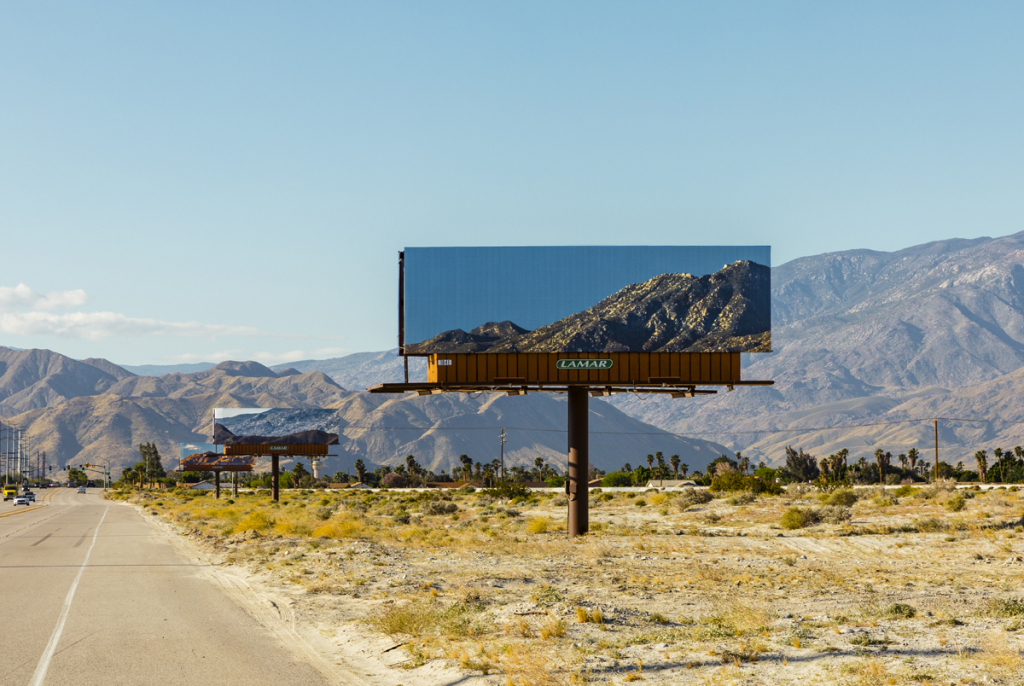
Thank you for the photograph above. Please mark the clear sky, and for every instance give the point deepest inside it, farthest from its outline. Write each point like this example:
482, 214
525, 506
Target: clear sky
188, 181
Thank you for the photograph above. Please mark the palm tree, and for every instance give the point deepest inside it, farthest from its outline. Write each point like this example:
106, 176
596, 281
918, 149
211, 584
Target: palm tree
361, 471
537, 463
982, 460
913, 455
674, 461
1019, 452
744, 462
650, 461
661, 466
998, 454
467, 466
684, 468
903, 460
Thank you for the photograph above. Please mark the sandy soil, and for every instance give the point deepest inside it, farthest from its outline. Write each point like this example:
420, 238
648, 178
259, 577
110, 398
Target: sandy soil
905, 591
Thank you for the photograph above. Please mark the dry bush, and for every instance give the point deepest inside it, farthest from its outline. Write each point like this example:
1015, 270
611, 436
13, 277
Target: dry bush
834, 514
553, 627
844, 497
798, 490
440, 507
532, 665
745, 616
742, 498
999, 655
690, 497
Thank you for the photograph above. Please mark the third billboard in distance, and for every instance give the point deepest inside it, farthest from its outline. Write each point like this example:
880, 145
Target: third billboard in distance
587, 299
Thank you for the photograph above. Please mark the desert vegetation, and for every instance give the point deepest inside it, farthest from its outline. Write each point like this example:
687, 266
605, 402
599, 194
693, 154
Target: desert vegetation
910, 584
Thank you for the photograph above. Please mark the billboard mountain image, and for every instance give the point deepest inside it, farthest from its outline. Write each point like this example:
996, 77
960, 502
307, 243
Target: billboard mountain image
726, 311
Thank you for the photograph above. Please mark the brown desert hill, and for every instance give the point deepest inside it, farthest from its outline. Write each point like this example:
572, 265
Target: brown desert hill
380, 429
359, 371
458, 423
726, 311
108, 367
31, 379
860, 332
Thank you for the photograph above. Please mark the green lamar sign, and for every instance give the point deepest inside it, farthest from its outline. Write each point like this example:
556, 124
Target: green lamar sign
583, 364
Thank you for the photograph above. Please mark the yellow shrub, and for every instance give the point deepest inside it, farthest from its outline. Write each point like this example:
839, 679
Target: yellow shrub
340, 528
258, 521
538, 525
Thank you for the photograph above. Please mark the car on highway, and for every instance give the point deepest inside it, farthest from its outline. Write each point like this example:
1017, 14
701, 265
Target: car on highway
20, 500
30, 495
81, 489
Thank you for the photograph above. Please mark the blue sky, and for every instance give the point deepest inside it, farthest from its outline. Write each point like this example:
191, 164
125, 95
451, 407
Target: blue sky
202, 181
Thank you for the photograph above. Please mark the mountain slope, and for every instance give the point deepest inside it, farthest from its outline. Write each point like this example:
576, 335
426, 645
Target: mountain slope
860, 332
32, 379
724, 311
380, 429
359, 371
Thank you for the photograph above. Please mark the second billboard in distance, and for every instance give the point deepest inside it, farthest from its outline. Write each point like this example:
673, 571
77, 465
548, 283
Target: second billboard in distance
587, 299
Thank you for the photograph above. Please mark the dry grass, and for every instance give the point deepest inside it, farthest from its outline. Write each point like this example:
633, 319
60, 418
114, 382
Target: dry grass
734, 592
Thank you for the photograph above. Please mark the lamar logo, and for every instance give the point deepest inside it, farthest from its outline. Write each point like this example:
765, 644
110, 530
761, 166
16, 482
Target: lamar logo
583, 364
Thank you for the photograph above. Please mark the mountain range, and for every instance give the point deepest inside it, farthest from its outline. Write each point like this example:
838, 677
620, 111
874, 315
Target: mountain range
727, 311
860, 337
94, 411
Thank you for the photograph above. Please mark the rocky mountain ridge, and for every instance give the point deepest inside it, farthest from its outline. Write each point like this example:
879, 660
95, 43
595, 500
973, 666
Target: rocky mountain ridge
725, 311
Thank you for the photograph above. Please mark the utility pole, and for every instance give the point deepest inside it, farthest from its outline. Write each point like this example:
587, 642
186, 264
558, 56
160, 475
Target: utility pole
936, 450
503, 454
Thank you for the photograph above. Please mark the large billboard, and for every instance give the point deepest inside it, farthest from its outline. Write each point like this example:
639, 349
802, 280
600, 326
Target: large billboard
308, 426
596, 299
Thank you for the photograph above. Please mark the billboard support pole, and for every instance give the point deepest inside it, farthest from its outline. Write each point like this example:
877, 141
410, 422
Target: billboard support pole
216, 481
275, 470
579, 467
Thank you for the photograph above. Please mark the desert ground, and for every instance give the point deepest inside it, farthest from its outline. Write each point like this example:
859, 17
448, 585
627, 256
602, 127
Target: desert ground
904, 585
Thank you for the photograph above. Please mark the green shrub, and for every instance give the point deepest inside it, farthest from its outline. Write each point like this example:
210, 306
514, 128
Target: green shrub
905, 490
899, 611
1005, 607
508, 490
616, 479
844, 497
956, 502
640, 502
798, 518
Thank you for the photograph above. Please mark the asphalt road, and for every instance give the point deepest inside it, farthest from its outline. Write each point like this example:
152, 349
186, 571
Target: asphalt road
91, 593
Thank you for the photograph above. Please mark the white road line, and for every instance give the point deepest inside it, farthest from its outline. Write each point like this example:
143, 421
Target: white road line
51, 647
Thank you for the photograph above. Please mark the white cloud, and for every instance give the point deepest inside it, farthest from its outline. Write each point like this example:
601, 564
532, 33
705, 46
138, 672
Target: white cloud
96, 325
21, 297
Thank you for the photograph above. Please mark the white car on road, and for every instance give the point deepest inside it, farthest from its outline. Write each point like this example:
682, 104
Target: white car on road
20, 500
